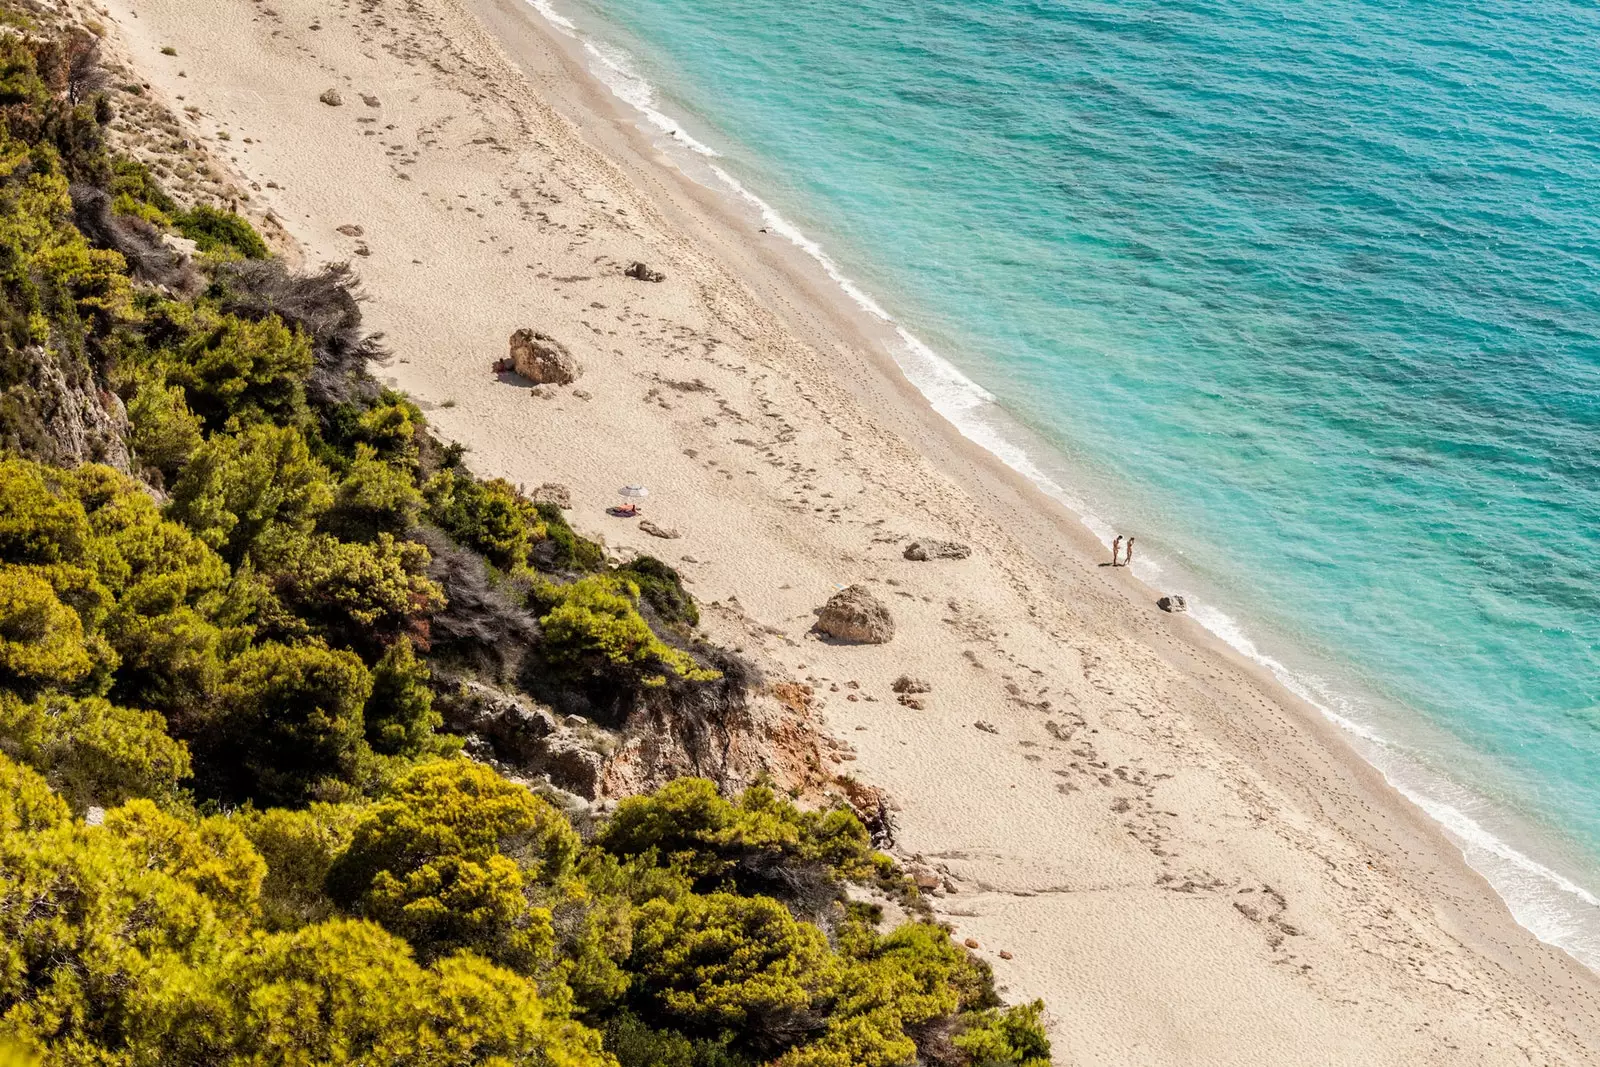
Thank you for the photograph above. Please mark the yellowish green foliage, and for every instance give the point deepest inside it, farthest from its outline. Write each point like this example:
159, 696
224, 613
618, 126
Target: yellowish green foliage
101, 954
1007, 1036
233, 367
690, 826
39, 524
221, 233
491, 516
299, 848
726, 961
51, 278
376, 495
41, 639
27, 805
165, 432
259, 486
450, 859
92, 751
358, 586
345, 993
390, 428
595, 625
212, 855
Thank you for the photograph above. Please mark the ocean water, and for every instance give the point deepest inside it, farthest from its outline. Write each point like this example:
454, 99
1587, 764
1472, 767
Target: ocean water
1303, 293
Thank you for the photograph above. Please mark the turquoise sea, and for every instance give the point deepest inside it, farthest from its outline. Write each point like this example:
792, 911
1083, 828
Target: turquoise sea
1304, 293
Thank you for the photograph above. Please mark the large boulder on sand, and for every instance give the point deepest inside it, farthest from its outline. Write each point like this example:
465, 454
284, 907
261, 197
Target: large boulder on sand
855, 615
928, 548
1174, 604
541, 359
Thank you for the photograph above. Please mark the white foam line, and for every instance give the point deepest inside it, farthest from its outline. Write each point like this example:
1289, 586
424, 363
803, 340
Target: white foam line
964, 403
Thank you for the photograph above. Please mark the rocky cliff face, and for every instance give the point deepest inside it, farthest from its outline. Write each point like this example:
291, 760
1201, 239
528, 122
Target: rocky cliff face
52, 409
731, 735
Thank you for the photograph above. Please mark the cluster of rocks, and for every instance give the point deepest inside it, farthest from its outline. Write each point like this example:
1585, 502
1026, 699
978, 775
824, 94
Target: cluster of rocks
1173, 603
908, 688
855, 616
644, 273
539, 358
529, 738
929, 548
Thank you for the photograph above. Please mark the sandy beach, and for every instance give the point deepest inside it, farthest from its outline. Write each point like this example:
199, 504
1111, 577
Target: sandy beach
1186, 863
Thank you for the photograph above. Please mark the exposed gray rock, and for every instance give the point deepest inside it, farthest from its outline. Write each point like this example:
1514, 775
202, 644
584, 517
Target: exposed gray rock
332, 98
572, 765
1174, 604
540, 358
855, 615
57, 413
929, 548
658, 531
644, 273
524, 736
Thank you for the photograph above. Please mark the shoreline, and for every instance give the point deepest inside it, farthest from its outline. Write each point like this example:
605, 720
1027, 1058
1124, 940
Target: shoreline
1289, 746
1004, 440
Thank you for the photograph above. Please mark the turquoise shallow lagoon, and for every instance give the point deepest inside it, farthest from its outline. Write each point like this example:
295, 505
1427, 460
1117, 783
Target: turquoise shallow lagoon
1306, 293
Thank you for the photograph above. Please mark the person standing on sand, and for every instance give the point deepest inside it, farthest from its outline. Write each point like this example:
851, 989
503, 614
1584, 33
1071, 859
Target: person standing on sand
1127, 556
1116, 546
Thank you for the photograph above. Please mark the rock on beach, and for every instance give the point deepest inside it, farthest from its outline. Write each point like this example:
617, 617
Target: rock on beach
540, 358
853, 614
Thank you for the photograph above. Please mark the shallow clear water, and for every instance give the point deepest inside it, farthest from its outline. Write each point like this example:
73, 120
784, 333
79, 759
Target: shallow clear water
1304, 293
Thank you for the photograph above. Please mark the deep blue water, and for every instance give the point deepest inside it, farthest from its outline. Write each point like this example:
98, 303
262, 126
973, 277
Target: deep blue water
1306, 293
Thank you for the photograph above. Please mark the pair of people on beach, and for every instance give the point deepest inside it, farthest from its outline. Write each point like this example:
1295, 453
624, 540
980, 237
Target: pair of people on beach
1117, 549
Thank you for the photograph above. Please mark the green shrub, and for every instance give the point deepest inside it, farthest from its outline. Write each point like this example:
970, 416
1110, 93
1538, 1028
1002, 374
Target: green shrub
725, 962
447, 860
346, 992
490, 517
41, 639
234, 368
299, 848
27, 804
661, 587
259, 489
564, 550
635, 1044
400, 716
291, 719
165, 432
686, 824
136, 192
91, 751
39, 523
374, 497
998, 1038
221, 232
357, 592
595, 628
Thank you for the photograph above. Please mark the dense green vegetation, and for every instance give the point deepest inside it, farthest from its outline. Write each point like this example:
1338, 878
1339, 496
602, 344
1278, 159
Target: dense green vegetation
231, 830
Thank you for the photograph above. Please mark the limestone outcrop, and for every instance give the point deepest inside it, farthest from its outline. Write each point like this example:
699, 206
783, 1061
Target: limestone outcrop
540, 358
855, 615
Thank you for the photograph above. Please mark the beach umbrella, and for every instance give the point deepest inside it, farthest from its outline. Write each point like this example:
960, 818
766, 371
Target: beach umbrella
637, 492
